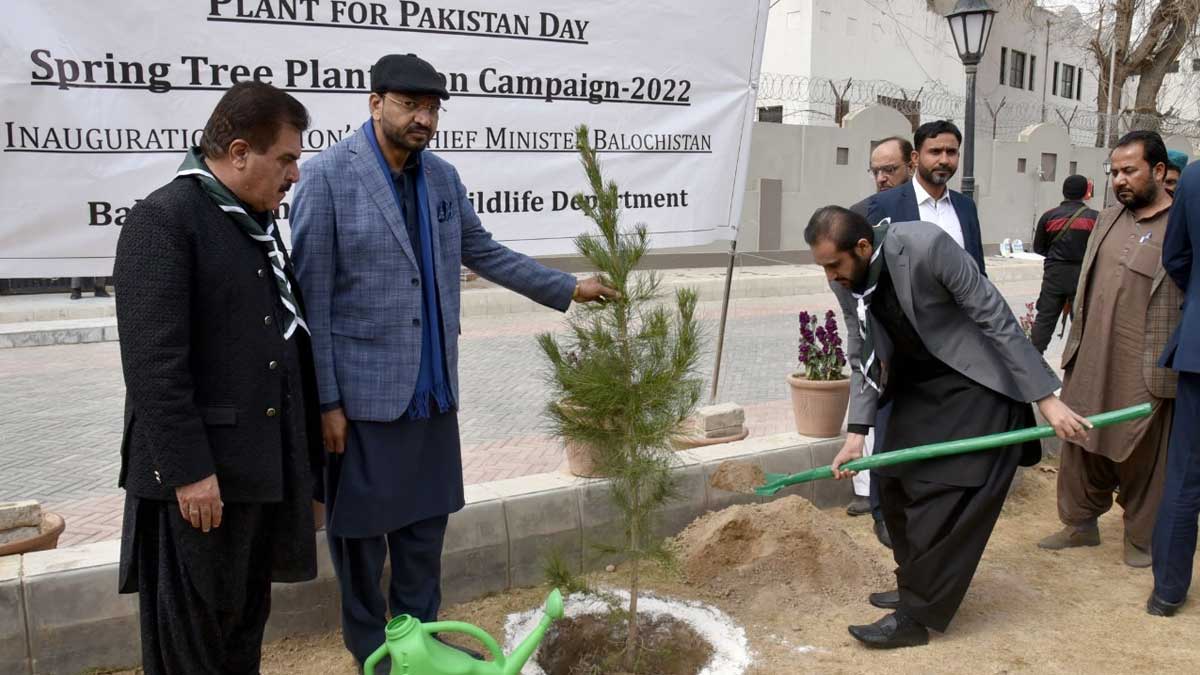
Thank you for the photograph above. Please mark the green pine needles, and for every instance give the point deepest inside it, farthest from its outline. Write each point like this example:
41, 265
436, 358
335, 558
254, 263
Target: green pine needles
624, 376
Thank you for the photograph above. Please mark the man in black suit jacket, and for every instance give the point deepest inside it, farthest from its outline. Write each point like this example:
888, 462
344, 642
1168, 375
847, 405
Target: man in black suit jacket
222, 430
927, 197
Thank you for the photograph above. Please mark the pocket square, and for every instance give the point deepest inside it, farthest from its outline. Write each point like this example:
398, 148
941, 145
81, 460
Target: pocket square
443, 211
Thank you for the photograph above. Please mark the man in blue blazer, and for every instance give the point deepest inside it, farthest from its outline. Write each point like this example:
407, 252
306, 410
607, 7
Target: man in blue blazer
1174, 542
927, 197
380, 230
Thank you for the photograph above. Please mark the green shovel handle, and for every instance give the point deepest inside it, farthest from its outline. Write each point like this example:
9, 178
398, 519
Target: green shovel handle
776, 482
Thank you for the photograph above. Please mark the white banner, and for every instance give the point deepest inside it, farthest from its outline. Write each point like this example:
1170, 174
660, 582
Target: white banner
101, 99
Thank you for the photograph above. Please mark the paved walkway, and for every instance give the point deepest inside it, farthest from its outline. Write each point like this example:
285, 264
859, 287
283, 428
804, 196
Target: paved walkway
61, 406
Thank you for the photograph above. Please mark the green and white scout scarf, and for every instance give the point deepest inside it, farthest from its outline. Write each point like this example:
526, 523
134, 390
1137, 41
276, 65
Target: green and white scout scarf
193, 165
868, 364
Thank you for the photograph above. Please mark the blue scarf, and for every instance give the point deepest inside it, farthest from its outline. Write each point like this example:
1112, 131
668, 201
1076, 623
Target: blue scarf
431, 377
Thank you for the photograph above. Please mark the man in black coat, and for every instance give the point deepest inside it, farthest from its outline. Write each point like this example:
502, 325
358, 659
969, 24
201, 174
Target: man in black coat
222, 432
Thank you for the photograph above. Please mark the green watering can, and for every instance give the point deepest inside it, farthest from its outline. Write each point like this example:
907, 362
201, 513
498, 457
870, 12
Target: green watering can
414, 651
778, 481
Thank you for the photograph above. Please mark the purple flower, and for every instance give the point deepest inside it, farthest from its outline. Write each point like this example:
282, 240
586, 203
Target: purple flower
821, 333
804, 318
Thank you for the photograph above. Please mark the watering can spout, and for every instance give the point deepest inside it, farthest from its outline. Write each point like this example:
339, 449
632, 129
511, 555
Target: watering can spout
554, 611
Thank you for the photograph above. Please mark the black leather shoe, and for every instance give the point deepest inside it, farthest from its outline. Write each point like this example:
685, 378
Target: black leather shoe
892, 632
885, 600
1156, 606
861, 506
881, 533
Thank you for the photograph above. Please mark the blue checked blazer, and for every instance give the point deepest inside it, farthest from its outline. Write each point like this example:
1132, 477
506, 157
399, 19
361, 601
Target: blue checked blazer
361, 282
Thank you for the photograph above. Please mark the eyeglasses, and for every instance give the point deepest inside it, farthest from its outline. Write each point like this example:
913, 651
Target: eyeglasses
411, 106
886, 170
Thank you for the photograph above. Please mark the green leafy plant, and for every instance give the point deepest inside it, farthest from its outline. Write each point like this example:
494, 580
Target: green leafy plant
624, 377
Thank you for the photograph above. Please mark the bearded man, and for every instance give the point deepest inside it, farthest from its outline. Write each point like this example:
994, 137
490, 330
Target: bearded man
930, 335
1126, 309
381, 229
928, 196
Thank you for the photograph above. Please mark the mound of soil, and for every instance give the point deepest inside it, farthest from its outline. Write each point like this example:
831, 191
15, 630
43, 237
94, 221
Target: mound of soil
734, 476
749, 547
589, 644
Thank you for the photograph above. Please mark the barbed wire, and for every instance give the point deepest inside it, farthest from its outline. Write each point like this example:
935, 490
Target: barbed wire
826, 101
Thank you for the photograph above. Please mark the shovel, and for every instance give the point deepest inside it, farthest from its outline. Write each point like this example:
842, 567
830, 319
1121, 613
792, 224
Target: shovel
778, 481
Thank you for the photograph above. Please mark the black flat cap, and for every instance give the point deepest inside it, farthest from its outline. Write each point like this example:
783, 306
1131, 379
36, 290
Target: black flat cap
409, 74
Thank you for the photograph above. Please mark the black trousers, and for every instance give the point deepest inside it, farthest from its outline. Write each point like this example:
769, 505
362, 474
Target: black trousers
938, 535
1059, 281
882, 415
415, 587
203, 598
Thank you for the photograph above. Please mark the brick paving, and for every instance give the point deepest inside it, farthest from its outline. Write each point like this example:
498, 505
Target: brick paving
61, 407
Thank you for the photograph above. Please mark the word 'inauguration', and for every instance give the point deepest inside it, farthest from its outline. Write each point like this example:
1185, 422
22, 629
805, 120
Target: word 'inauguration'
411, 15
312, 75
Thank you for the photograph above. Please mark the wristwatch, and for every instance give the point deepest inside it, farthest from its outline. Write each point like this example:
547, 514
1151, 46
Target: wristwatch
575, 295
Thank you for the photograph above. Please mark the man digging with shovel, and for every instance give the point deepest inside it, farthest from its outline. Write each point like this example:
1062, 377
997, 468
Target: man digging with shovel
929, 333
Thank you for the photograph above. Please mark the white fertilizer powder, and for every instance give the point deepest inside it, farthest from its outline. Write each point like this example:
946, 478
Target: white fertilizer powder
731, 649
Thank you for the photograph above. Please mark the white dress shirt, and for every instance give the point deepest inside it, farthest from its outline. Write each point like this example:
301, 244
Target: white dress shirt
940, 212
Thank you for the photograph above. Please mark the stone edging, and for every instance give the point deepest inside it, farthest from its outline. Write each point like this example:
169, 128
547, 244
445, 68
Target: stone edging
60, 612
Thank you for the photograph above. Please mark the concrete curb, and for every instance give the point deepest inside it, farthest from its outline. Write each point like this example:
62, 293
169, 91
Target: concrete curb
29, 324
60, 612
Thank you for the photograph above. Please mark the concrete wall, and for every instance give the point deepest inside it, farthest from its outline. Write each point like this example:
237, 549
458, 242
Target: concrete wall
1011, 201
60, 613
805, 158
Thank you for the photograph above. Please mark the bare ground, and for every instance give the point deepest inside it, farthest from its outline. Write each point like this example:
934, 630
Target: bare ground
1028, 610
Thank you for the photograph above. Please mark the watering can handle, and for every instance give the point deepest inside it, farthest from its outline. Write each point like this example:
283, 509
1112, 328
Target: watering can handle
474, 631
374, 659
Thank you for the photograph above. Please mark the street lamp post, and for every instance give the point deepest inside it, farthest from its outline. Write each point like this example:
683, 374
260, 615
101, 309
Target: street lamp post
971, 25
1107, 172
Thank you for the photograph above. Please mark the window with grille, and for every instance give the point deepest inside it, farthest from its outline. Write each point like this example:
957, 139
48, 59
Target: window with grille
1016, 69
770, 113
1066, 87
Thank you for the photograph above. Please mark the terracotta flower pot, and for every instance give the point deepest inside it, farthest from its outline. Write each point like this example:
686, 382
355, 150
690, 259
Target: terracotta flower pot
819, 407
581, 460
51, 529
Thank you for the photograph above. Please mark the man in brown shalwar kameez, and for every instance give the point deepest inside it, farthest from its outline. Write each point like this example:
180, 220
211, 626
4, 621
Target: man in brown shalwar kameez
1125, 313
